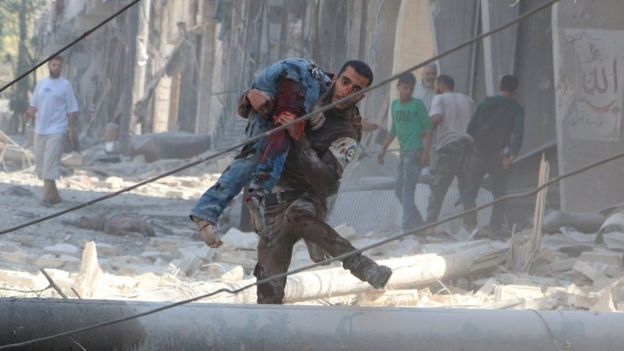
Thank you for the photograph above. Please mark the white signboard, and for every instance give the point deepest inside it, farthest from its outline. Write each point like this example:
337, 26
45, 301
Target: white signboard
595, 110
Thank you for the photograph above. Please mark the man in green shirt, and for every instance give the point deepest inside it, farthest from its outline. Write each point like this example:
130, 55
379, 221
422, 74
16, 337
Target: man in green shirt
411, 125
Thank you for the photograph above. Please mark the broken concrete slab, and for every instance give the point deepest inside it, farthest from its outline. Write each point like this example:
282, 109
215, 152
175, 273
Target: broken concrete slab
235, 274
91, 275
185, 266
562, 265
512, 292
611, 299
588, 271
605, 257
235, 238
51, 261
106, 249
614, 241
67, 249
199, 250
615, 223
585, 222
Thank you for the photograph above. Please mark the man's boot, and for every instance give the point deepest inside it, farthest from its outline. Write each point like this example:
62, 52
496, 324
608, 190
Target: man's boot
367, 270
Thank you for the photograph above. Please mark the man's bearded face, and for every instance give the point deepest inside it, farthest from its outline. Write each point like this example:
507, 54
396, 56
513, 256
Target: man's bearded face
54, 67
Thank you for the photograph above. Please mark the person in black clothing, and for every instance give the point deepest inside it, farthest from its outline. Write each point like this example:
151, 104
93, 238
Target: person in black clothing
497, 128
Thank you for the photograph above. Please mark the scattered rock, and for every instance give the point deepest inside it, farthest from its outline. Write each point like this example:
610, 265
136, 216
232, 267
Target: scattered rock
235, 274
59, 249
18, 191
234, 238
49, 261
106, 249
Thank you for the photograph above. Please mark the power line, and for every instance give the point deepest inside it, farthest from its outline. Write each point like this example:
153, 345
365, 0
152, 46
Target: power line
76, 41
283, 127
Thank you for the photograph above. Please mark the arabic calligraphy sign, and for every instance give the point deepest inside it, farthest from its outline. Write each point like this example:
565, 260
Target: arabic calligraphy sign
596, 105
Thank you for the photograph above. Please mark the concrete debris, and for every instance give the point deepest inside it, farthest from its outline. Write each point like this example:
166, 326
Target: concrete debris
238, 240
581, 221
73, 159
151, 253
63, 249
18, 191
614, 241
611, 299
235, 274
615, 223
90, 277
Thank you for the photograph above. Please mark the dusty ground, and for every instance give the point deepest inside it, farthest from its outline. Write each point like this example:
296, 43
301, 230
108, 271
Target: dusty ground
571, 272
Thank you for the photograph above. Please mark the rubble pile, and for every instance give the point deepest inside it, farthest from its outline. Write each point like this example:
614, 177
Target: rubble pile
141, 246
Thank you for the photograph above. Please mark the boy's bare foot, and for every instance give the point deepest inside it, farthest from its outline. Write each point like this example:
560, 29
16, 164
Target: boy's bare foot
208, 232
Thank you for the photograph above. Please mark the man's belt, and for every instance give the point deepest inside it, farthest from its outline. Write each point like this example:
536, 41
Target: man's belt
272, 199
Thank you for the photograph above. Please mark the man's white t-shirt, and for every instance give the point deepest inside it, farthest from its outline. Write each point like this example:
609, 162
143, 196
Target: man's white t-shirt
53, 99
424, 94
456, 110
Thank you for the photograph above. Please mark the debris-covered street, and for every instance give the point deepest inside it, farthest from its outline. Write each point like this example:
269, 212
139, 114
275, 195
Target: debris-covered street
141, 246
311, 175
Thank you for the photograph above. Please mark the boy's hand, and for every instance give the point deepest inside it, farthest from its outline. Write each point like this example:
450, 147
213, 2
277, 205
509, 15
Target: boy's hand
295, 131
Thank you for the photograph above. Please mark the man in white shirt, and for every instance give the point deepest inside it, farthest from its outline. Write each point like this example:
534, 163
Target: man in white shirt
450, 113
425, 88
55, 106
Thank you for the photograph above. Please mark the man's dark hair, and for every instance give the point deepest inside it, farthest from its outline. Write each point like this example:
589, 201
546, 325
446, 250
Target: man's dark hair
56, 58
407, 78
509, 83
447, 80
360, 67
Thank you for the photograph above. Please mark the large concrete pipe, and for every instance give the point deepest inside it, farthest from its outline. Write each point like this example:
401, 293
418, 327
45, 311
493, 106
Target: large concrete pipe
270, 327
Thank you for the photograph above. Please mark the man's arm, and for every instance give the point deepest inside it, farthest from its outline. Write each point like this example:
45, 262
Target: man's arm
324, 173
29, 114
517, 133
72, 113
436, 119
421, 110
369, 126
436, 113
71, 127
424, 160
31, 111
389, 138
472, 125
384, 147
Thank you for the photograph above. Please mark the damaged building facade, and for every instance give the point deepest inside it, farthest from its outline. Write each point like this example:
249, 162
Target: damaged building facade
180, 66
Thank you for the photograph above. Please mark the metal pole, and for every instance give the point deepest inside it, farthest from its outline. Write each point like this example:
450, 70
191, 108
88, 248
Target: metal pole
274, 327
